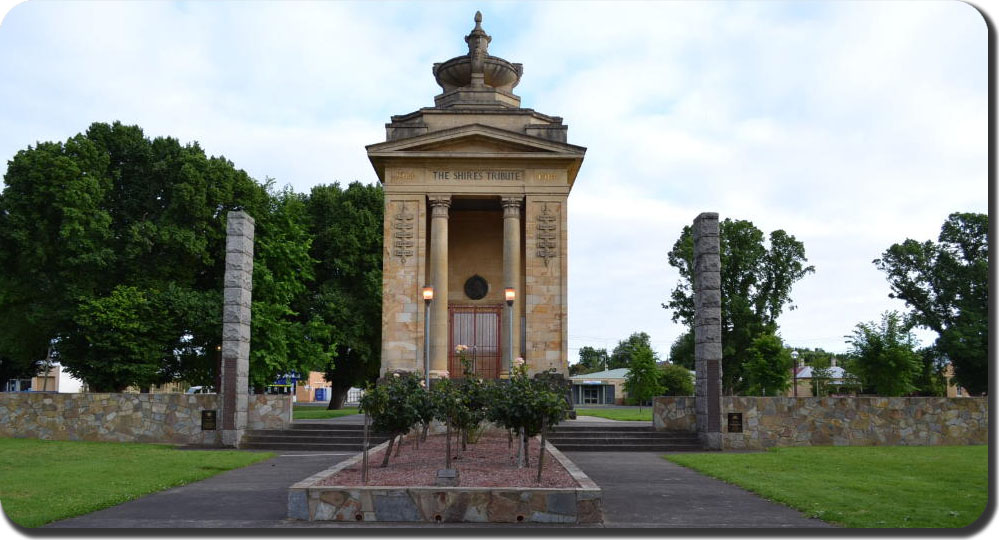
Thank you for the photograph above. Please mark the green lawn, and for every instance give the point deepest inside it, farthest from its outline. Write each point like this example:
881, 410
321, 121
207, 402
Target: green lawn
862, 486
618, 414
307, 412
43, 481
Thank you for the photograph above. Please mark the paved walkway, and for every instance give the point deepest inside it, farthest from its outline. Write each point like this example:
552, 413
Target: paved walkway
640, 489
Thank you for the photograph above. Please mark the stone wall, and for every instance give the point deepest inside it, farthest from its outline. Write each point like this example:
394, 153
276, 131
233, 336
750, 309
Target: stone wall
841, 421
159, 418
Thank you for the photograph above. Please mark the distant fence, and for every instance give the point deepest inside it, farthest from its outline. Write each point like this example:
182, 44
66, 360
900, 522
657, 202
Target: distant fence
755, 423
354, 396
164, 418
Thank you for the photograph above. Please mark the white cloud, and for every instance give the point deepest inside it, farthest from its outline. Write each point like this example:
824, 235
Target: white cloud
850, 125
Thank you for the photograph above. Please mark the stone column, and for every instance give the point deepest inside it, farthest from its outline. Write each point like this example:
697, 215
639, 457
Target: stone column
707, 329
238, 283
439, 207
511, 278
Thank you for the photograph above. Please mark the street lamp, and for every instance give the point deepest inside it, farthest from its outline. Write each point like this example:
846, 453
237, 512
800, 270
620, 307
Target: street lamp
428, 296
510, 295
794, 371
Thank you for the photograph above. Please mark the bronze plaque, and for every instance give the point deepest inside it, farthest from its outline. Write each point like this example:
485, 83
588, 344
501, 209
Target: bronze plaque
208, 420
735, 422
476, 287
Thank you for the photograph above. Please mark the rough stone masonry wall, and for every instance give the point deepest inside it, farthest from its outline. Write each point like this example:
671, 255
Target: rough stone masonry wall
843, 421
159, 418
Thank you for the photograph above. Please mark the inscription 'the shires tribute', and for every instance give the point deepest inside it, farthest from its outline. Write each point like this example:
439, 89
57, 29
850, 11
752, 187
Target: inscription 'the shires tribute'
475, 186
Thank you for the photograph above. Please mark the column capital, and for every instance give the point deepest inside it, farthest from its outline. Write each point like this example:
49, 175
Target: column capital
439, 205
511, 206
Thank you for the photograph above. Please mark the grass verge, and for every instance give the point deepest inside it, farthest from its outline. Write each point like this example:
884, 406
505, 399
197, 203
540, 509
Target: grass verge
619, 414
44, 481
318, 413
862, 486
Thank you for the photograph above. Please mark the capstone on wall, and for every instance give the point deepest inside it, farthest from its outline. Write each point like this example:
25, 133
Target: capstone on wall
839, 421
154, 418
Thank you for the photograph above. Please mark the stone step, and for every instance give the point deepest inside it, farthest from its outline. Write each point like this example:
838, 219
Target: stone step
657, 447
640, 434
301, 447
622, 441
603, 427
327, 427
289, 439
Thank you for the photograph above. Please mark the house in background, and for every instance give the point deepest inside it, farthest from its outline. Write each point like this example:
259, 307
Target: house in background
599, 388
313, 388
839, 382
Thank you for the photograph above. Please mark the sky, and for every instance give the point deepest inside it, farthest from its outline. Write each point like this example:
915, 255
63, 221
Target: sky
850, 125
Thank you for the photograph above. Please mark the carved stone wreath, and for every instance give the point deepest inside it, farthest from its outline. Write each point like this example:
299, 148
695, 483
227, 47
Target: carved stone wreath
476, 287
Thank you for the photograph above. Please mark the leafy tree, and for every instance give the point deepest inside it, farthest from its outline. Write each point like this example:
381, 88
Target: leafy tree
590, 360
930, 381
946, 285
392, 407
821, 375
642, 381
676, 380
111, 228
346, 226
624, 353
768, 369
681, 352
756, 282
884, 357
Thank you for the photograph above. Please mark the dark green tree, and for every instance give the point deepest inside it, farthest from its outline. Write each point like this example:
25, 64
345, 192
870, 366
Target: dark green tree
642, 381
767, 371
624, 353
111, 228
821, 375
681, 352
883, 356
676, 380
756, 282
346, 226
946, 285
590, 360
931, 381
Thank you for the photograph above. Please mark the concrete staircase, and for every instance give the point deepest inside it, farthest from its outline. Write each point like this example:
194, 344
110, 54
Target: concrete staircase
311, 437
611, 438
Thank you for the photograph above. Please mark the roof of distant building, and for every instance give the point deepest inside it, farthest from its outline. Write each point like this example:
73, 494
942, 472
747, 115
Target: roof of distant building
618, 373
835, 373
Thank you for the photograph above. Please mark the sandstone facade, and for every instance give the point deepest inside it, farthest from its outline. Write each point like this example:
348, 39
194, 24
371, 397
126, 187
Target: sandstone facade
476, 186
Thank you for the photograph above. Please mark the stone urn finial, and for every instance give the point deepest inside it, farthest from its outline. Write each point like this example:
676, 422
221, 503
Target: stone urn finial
478, 45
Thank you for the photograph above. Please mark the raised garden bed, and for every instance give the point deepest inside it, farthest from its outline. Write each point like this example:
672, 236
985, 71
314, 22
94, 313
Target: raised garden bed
491, 488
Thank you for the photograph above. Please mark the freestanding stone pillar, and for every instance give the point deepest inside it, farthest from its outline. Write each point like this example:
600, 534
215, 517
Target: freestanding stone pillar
439, 208
238, 283
707, 329
511, 278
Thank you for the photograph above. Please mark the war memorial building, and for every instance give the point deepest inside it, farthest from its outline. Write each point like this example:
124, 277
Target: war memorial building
475, 208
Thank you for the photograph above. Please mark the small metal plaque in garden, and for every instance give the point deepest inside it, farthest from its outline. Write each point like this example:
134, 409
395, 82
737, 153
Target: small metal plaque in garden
735, 422
208, 420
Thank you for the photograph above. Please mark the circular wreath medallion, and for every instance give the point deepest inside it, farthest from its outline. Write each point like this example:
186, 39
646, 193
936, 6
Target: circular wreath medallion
476, 287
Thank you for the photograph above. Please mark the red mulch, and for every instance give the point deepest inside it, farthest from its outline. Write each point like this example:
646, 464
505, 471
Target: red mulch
487, 463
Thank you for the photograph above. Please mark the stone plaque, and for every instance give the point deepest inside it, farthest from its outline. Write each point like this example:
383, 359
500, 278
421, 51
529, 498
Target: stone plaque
735, 422
476, 287
208, 419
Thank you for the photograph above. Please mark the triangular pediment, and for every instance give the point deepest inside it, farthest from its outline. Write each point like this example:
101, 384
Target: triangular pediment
473, 139
476, 143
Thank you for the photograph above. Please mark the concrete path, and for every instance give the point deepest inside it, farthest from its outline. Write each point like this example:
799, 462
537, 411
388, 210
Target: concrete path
639, 490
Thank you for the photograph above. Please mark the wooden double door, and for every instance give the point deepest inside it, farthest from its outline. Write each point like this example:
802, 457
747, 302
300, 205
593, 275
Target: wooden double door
479, 328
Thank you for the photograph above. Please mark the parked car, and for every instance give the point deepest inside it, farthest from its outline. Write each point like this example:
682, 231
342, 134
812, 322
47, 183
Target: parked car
200, 390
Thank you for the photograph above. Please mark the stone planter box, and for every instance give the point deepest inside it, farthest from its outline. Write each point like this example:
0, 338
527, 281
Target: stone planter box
312, 502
